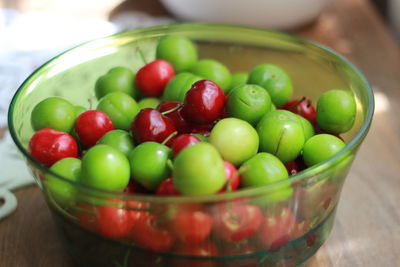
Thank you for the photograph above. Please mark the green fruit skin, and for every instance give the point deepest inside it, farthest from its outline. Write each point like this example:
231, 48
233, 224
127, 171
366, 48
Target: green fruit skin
265, 169
118, 79
321, 147
336, 111
199, 170
63, 192
262, 169
120, 107
308, 129
275, 80
79, 110
178, 86
213, 70
148, 102
148, 163
236, 140
55, 113
179, 51
118, 139
281, 134
238, 79
249, 103
273, 107
106, 168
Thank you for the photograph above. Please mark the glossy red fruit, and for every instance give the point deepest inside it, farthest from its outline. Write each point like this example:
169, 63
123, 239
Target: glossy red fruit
49, 146
113, 222
183, 141
180, 124
304, 108
148, 235
91, 125
167, 188
205, 249
150, 125
192, 226
276, 229
152, 78
237, 222
292, 167
86, 215
232, 177
204, 102
134, 187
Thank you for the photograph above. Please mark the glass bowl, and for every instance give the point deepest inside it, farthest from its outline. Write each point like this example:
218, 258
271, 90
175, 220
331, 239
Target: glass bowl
283, 231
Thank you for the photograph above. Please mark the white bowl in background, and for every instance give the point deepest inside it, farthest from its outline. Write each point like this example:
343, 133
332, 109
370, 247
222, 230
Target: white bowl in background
274, 14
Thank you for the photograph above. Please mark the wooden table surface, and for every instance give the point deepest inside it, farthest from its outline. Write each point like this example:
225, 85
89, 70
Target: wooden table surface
367, 227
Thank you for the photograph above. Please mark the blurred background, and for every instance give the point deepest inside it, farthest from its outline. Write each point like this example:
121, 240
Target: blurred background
33, 31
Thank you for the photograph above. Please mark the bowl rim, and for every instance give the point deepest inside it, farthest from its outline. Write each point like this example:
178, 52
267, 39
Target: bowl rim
246, 192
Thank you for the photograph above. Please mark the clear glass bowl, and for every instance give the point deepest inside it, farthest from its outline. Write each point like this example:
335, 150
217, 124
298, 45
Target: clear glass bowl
292, 229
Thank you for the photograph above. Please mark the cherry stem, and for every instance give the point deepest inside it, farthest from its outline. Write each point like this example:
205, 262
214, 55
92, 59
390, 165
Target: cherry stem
169, 137
298, 103
90, 100
171, 110
141, 55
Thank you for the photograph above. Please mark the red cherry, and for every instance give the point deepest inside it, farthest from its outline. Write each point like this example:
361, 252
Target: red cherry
152, 78
276, 230
204, 102
86, 215
149, 235
134, 187
304, 108
180, 124
232, 177
49, 146
236, 223
113, 222
150, 125
183, 141
192, 226
91, 125
167, 188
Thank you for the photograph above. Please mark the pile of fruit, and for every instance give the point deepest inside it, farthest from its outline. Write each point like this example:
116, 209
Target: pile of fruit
187, 126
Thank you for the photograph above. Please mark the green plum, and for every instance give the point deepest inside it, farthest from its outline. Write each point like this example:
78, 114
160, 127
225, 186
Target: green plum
178, 86
148, 163
321, 147
336, 111
117, 79
120, 107
248, 102
106, 168
79, 110
118, 139
148, 102
213, 70
307, 127
275, 80
237, 79
199, 170
54, 112
235, 139
273, 107
281, 134
265, 169
61, 191
178, 50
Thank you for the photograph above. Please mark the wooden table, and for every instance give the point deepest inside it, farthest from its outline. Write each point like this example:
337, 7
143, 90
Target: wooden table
367, 227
